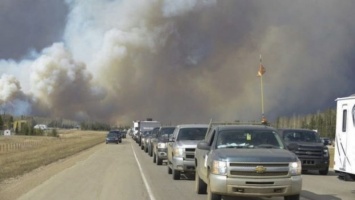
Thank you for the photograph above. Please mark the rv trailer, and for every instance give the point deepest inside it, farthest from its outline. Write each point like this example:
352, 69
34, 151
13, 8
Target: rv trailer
344, 147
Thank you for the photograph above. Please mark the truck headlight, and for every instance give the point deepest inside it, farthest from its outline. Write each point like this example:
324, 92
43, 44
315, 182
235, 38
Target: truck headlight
219, 167
178, 152
161, 145
295, 168
325, 152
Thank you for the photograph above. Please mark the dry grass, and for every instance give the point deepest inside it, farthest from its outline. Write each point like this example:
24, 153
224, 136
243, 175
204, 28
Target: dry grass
47, 150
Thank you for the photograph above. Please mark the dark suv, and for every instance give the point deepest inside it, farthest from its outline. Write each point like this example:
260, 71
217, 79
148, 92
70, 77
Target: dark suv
309, 148
113, 137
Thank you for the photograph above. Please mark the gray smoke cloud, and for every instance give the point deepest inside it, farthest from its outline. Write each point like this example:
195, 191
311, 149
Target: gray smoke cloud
189, 61
29, 25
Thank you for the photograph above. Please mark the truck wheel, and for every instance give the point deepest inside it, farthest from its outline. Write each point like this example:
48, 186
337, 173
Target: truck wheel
145, 149
154, 157
142, 147
292, 197
176, 174
169, 170
212, 196
324, 171
150, 152
200, 186
159, 161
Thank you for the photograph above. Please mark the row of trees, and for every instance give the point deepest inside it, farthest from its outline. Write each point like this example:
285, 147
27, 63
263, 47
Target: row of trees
6, 121
323, 122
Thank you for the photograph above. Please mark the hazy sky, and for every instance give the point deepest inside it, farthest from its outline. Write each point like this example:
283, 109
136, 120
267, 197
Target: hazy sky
174, 61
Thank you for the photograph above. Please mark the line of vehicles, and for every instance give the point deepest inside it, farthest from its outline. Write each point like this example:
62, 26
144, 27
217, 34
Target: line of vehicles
229, 159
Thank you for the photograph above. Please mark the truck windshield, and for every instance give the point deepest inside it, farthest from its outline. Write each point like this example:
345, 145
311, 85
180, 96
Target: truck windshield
192, 134
166, 132
301, 136
248, 139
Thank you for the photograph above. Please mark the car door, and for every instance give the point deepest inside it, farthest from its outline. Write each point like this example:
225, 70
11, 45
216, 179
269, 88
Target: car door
171, 144
203, 156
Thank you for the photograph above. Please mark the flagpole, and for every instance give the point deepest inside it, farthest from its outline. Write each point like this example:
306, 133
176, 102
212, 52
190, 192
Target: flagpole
262, 96
263, 119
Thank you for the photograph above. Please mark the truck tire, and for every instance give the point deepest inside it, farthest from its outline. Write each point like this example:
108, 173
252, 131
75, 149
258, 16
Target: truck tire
170, 171
324, 171
292, 197
159, 161
154, 157
200, 186
176, 174
212, 196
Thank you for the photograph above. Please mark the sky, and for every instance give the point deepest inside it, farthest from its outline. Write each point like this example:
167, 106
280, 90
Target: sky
184, 61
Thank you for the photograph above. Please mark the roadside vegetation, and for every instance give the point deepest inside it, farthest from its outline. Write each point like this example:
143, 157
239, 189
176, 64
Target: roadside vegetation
22, 154
323, 122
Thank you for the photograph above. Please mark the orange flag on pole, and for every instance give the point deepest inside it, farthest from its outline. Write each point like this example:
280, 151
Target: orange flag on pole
261, 70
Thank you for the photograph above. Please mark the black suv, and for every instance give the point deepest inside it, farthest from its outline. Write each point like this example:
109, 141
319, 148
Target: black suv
309, 148
113, 137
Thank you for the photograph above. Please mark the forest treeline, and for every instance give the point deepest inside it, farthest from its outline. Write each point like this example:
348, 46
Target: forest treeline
323, 122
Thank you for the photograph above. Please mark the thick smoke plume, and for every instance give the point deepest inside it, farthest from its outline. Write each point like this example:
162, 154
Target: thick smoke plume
189, 61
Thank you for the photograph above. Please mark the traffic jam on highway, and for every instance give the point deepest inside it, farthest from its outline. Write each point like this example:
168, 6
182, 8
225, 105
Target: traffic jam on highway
235, 159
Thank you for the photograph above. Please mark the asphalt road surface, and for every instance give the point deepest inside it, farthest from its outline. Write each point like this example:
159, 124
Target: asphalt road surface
123, 171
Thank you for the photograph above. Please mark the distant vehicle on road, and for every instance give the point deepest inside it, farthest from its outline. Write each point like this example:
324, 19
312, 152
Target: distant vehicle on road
123, 133
113, 137
160, 144
144, 136
181, 148
141, 126
326, 141
150, 139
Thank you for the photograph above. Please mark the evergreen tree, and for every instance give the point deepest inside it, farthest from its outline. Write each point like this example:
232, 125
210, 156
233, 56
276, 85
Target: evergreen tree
1, 123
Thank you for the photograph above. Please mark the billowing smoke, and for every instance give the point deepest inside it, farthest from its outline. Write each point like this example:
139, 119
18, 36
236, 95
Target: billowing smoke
189, 61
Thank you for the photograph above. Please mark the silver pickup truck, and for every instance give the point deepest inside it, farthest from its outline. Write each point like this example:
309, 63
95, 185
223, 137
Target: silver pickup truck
160, 144
246, 160
181, 148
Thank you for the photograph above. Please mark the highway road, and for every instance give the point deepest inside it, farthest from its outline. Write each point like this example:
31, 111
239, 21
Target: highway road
125, 172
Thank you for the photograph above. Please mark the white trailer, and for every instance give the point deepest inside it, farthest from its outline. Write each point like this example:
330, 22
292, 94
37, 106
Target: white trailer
344, 149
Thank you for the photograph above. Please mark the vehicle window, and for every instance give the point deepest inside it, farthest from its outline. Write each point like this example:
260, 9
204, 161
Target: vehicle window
166, 132
301, 136
248, 139
211, 138
192, 134
147, 132
112, 134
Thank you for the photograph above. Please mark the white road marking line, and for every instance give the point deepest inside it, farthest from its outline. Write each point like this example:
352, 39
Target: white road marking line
150, 193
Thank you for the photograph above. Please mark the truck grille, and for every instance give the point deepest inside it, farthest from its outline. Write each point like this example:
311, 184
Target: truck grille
309, 152
258, 169
189, 154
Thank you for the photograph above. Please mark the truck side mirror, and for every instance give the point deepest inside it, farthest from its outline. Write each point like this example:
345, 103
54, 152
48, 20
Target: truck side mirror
203, 145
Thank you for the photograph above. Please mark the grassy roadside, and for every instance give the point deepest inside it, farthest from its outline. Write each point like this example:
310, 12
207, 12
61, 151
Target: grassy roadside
47, 150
